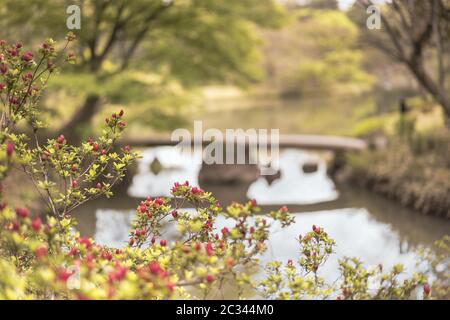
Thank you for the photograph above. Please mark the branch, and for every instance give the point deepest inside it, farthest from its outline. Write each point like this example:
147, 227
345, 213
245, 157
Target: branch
92, 43
142, 33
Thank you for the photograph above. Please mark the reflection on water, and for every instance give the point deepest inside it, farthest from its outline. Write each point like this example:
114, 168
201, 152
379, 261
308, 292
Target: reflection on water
354, 230
113, 226
177, 166
363, 225
295, 186
356, 234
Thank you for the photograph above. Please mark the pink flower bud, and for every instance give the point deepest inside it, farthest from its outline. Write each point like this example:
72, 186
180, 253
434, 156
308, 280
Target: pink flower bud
27, 56
9, 149
22, 212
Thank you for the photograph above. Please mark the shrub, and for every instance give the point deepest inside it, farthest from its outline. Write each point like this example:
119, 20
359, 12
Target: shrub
51, 260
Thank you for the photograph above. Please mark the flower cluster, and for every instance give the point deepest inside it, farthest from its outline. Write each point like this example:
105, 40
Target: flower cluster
52, 261
301, 280
65, 175
23, 75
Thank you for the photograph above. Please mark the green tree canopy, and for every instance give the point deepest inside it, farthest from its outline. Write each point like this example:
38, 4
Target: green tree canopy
193, 41
196, 39
317, 51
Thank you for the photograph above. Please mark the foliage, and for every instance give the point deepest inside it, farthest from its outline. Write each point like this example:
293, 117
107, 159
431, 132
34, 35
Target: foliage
139, 92
190, 43
149, 267
439, 265
324, 58
197, 40
55, 262
421, 181
414, 34
301, 281
66, 176
51, 260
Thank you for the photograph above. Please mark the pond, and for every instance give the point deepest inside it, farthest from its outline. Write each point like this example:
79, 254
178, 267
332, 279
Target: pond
364, 225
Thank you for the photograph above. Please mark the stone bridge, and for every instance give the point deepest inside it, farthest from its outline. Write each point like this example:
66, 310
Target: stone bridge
308, 142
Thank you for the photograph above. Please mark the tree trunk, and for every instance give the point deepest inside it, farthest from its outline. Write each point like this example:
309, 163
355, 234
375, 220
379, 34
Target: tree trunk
434, 89
81, 119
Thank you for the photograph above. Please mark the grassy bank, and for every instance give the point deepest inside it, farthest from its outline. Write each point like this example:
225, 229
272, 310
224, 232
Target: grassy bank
414, 170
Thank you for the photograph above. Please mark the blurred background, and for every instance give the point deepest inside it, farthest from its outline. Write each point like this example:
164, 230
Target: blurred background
304, 67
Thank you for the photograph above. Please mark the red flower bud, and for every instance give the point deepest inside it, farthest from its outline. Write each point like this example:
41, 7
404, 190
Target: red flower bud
27, 76
95, 147
85, 241
73, 252
14, 100
107, 255
209, 249
316, 229
196, 191
22, 212
140, 233
74, 168
9, 149
41, 252
74, 184
225, 231
159, 202
174, 214
210, 278
27, 56
154, 267
426, 289
163, 243
36, 224
64, 275
61, 139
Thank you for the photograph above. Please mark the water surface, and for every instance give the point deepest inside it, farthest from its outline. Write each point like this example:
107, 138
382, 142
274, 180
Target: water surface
364, 225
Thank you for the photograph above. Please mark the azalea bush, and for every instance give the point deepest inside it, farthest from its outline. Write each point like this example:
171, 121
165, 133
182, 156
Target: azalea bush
44, 257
